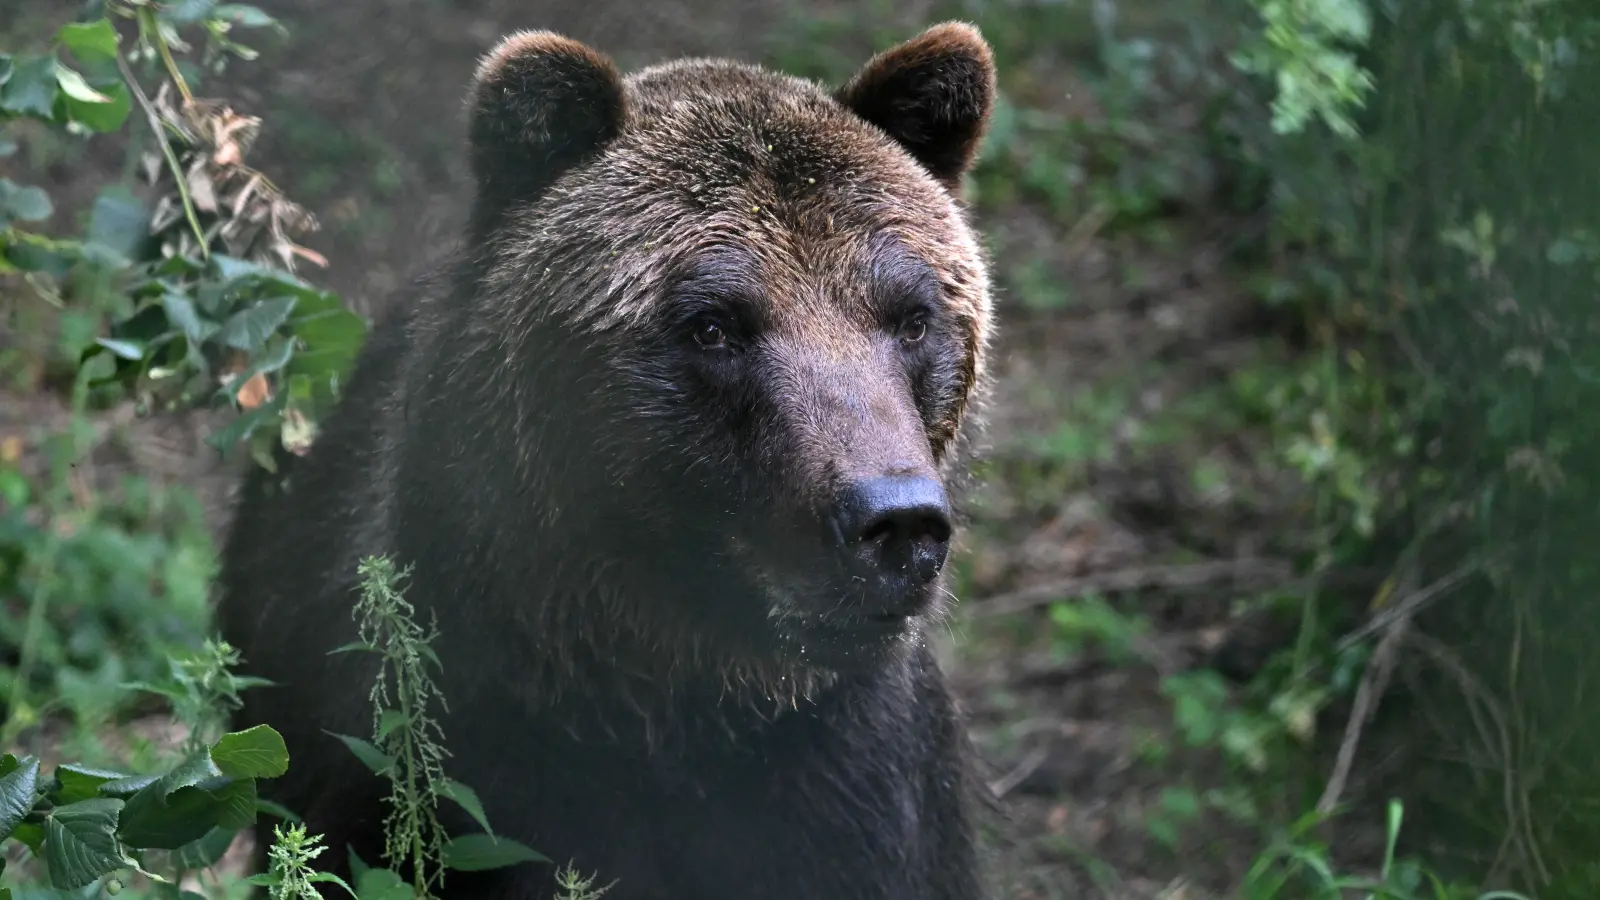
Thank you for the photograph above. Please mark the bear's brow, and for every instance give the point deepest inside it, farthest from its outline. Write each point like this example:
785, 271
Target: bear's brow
899, 277
886, 273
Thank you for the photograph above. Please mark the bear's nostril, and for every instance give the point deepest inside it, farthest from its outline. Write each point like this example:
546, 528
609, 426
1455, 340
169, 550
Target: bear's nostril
899, 523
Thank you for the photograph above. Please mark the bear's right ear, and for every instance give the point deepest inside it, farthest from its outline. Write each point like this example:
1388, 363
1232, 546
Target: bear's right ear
541, 104
933, 94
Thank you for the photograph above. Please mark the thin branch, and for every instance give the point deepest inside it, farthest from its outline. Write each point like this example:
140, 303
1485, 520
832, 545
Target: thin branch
1412, 603
1008, 782
1374, 681
160, 133
147, 21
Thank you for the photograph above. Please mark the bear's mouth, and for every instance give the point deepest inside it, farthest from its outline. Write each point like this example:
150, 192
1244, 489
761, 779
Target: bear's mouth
841, 639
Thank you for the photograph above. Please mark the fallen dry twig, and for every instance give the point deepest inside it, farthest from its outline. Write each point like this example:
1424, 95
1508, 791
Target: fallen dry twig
1374, 681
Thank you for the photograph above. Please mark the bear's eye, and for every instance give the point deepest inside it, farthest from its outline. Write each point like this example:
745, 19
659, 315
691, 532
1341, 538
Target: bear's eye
708, 334
914, 328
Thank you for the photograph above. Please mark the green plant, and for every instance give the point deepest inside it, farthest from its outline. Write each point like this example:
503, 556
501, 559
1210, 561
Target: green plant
408, 749
181, 298
1298, 865
289, 874
84, 824
1305, 47
203, 690
1091, 619
110, 582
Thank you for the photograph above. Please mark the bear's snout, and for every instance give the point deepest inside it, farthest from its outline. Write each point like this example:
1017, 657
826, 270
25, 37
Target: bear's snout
894, 531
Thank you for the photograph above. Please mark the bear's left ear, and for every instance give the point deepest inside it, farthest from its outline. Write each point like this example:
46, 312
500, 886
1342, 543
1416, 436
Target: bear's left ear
932, 94
541, 104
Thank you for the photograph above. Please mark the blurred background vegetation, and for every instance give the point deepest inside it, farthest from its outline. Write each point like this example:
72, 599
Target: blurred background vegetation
1277, 578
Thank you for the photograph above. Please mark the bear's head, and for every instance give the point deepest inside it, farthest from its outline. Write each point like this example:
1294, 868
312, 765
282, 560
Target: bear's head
738, 320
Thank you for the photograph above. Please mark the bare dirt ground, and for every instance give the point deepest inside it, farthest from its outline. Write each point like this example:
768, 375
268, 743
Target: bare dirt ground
363, 125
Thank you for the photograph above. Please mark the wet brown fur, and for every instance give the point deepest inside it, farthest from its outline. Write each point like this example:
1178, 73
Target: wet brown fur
776, 170
603, 201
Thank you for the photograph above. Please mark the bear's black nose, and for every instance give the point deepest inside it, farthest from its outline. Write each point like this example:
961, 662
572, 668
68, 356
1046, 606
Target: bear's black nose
896, 526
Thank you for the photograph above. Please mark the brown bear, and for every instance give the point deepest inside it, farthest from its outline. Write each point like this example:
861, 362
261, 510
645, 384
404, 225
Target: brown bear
669, 449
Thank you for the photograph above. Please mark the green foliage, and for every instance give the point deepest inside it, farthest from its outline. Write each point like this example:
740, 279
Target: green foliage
112, 583
289, 874
182, 300
1091, 619
573, 886
173, 297
1438, 265
406, 734
191, 299
203, 690
1306, 47
408, 750
80, 824
1297, 865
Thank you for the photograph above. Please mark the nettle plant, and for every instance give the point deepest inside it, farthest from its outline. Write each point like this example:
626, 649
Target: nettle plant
407, 748
82, 825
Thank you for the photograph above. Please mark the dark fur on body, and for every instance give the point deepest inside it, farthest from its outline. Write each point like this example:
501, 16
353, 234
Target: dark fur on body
656, 666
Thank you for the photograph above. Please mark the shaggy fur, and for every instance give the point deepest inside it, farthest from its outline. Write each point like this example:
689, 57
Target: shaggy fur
697, 306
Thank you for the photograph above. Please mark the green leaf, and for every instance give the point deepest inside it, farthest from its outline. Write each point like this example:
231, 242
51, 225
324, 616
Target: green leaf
249, 328
257, 752
327, 877
333, 339
389, 721
30, 835
243, 425
232, 269
81, 782
127, 787
31, 89
90, 41
73, 85
126, 349
182, 315
375, 759
155, 822
18, 792
33, 253
477, 852
102, 116
30, 204
205, 852
268, 359
187, 12
118, 221
352, 647
467, 799
243, 16
80, 843
276, 809
237, 802
196, 769
429, 654
6, 68
381, 884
